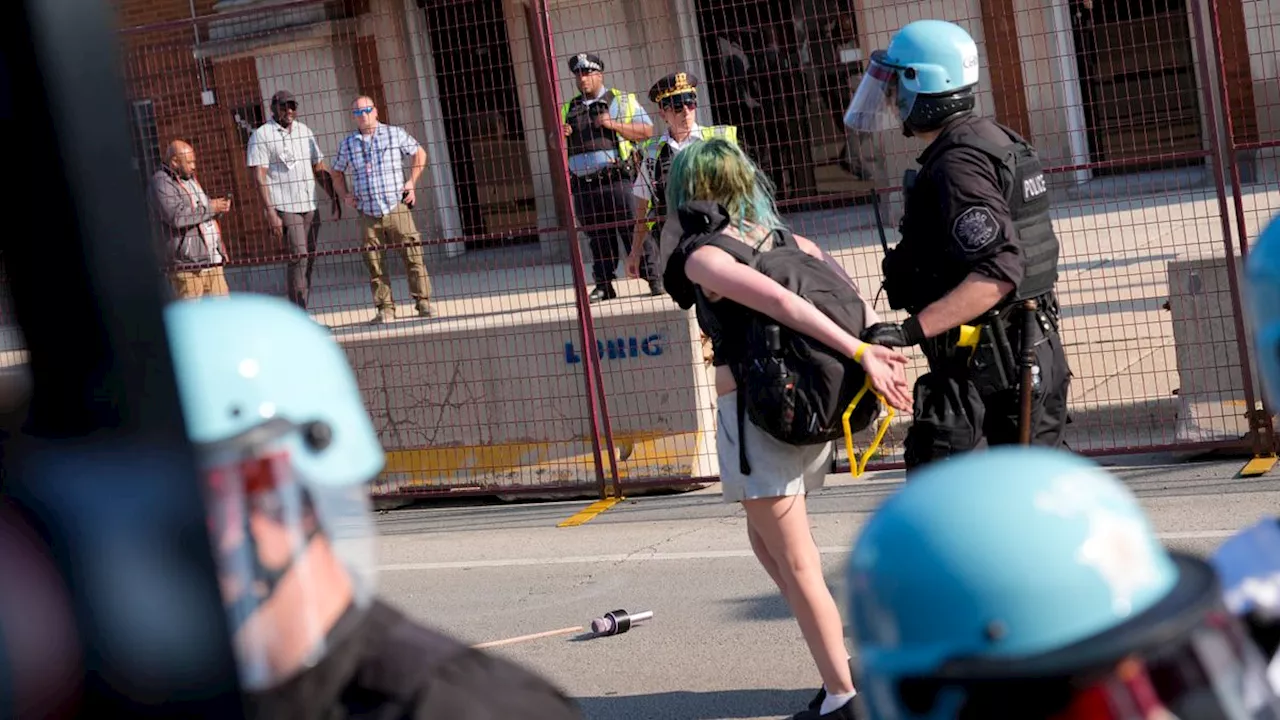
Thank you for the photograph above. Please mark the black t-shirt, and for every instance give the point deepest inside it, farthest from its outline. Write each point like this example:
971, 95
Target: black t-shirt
724, 321
391, 668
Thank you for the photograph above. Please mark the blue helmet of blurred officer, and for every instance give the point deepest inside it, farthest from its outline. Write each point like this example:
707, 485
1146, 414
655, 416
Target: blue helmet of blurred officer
286, 450
1262, 307
1027, 582
1250, 561
926, 76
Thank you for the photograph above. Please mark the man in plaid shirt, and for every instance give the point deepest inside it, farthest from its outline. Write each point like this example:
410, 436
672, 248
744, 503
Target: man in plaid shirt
369, 176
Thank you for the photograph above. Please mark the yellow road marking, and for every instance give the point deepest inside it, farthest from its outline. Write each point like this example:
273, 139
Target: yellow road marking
589, 512
1258, 466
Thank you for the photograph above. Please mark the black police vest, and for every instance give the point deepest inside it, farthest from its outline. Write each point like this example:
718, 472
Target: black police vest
662, 170
1027, 195
586, 137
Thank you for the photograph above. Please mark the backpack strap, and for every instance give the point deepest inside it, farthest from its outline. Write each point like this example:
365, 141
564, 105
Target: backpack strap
739, 250
783, 237
743, 466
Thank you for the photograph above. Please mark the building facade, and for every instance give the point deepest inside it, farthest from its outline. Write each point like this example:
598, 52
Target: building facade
1103, 87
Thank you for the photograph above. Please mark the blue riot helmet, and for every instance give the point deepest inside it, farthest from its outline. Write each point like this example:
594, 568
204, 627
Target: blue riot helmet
1251, 561
1027, 582
286, 449
925, 77
1262, 307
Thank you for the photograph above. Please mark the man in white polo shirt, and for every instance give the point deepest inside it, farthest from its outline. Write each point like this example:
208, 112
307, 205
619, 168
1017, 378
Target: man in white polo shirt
287, 164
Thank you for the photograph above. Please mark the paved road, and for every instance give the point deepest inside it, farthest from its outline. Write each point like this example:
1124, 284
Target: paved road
721, 644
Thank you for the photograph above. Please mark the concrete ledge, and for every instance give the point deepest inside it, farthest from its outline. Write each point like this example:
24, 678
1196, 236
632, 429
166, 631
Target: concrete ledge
496, 400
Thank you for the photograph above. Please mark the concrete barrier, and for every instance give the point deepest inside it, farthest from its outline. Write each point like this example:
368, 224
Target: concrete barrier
1211, 398
496, 401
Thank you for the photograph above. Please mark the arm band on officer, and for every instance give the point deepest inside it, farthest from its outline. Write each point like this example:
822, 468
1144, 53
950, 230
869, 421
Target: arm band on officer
912, 332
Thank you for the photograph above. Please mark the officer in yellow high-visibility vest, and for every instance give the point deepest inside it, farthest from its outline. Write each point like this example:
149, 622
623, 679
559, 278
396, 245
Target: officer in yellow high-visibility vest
676, 96
601, 127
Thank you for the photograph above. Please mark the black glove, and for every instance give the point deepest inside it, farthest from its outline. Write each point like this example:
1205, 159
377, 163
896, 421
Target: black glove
894, 335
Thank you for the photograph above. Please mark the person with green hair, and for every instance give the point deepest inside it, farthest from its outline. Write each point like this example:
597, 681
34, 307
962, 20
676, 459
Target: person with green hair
717, 174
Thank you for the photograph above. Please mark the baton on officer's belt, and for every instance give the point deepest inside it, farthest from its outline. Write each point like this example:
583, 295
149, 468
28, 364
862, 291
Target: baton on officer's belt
875, 206
1030, 310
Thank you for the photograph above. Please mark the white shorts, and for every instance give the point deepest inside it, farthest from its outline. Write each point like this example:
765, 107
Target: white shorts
777, 468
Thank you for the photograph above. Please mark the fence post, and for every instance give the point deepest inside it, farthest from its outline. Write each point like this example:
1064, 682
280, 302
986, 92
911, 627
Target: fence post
597, 408
1223, 144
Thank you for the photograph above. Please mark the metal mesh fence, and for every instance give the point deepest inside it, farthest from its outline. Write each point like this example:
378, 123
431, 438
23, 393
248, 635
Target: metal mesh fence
541, 359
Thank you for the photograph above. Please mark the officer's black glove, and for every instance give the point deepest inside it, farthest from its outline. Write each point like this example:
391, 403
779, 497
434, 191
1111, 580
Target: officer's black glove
894, 335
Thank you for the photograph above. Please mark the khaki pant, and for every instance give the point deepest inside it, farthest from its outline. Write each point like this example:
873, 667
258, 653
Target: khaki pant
392, 229
198, 283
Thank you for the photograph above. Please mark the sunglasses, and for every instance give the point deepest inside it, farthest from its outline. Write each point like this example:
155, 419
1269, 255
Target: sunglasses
680, 102
362, 111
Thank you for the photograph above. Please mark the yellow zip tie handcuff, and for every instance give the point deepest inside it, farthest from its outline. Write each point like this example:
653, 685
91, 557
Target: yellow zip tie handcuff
969, 336
858, 465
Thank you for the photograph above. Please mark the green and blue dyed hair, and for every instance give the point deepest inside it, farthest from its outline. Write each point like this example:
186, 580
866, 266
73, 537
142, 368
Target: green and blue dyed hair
717, 170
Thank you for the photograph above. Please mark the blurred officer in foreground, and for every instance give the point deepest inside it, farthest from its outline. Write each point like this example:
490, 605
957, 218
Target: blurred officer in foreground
1261, 301
1027, 582
977, 242
1249, 566
286, 473
1250, 561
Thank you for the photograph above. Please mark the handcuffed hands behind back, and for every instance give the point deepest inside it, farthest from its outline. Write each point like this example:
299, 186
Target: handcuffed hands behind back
887, 369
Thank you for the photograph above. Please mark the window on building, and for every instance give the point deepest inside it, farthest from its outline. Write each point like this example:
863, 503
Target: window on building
146, 138
247, 119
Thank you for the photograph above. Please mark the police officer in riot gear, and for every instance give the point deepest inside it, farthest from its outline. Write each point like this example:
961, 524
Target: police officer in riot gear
977, 243
1028, 583
601, 127
285, 472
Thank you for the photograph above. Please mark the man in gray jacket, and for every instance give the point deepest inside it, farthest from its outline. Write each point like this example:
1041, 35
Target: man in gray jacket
189, 219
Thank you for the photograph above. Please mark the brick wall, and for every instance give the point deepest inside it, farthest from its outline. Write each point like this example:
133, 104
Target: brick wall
159, 67
134, 13
156, 45
1008, 88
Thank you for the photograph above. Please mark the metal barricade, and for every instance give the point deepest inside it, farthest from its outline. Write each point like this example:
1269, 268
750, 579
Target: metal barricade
1158, 122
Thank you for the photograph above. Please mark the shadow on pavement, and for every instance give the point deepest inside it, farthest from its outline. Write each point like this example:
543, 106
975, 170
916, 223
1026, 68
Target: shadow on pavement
710, 705
772, 606
760, 607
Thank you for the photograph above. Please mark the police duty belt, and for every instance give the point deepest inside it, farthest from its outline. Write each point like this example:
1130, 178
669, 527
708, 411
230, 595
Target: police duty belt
613, 173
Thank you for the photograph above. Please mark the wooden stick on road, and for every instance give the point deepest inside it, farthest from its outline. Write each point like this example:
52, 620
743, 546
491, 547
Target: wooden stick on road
526, 638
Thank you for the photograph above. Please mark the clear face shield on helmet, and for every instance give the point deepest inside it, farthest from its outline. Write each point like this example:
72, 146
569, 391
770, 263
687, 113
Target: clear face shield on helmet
1215, 673
880, 102
293, 556
1192, 658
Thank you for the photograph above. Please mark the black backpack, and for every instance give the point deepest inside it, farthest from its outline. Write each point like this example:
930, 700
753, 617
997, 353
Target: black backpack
790, 385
